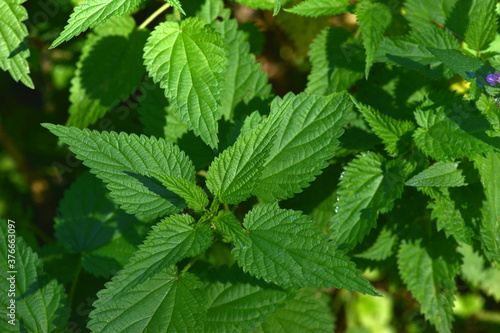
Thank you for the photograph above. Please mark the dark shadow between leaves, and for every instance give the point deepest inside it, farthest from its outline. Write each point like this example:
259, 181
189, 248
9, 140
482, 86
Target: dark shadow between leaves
458, 20
113, 67
23, 46
155, 186
436, 72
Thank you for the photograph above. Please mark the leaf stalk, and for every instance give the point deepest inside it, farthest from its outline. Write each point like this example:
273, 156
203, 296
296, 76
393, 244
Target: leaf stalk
154, 15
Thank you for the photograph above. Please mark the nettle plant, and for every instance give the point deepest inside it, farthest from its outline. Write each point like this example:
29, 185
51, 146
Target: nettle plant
231, 208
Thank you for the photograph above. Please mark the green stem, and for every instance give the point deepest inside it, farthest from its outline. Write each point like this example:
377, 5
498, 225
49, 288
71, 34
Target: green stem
154, 15
75, 281
215, 206
177, 15
188, 266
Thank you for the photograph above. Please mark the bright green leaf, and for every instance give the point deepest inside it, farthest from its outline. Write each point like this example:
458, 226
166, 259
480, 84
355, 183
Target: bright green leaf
315, 8
431, 280
232, 176
13, 49
285, 247
482, 27
261, 4
307, 138
367, 187
189, 60
122, 161
229, 225
308, 311
392, 132
40, 302
489, 170
411, 51
90, 13
167, 302
449, 217
237, 301
277, 6
177, 5
442, 139
439, 174
374, 19
465, 66
194, 195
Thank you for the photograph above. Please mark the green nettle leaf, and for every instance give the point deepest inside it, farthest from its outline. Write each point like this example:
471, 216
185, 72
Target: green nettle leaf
412, 51
374, 19
336, 63
308, 311
478, 274
262, 4
383, 246
89, 223
439, 174
449, 218
309, 132
233, 175
108, 71
40, 302
442, 139
489, 108
237, 301
90, 13
244, 79
431, 280
123, 162
277, 6
177, 5
173, 239
489, 169
367, 187
229, 225
421, 13
13, 49
244, 126
167, 302
315, 8
465, 66
482, 27
393, 133
210, 10
189, 60
285, 247
194, 195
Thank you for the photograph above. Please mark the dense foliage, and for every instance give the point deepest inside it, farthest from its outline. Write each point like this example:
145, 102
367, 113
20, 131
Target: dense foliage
213, 202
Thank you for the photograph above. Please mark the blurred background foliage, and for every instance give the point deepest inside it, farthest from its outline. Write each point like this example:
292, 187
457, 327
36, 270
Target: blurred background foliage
34, 175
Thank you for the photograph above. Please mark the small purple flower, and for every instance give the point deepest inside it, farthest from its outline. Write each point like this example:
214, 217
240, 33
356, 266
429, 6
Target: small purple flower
493, 78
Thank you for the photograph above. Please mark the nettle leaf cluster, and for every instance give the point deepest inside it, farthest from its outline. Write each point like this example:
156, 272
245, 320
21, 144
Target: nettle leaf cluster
212, 216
